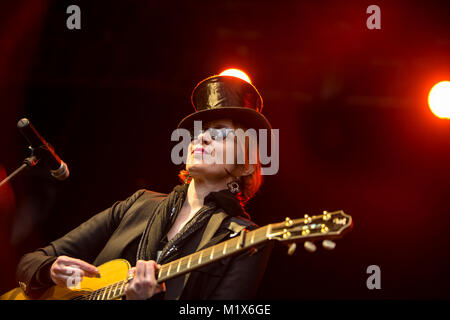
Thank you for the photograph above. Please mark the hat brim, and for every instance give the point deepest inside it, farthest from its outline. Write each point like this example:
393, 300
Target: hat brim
250, 118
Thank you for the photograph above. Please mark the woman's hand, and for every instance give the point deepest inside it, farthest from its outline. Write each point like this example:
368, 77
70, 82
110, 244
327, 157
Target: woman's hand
67, 271
144, 284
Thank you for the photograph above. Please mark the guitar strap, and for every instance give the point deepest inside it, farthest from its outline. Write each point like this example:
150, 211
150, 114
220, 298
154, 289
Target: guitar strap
213, 225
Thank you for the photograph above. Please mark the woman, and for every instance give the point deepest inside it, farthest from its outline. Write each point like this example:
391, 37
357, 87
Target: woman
149, 229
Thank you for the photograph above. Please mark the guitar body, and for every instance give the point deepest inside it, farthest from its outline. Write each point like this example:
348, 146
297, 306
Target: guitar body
110, 272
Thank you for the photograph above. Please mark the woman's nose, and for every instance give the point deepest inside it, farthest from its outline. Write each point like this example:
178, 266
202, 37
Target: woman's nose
204, 137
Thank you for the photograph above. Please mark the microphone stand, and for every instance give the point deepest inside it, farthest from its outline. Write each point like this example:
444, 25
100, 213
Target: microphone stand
31, 161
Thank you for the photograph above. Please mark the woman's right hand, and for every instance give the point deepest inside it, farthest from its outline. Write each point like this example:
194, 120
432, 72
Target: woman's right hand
67, 271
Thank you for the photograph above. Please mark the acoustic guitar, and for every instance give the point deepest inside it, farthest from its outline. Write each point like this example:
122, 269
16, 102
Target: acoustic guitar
114, 274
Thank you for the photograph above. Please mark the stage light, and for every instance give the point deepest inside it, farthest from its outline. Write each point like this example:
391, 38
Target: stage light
439, 99
236, 73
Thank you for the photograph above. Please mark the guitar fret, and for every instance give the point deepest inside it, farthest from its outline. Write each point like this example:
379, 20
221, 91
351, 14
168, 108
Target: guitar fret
225, 248
268, 231
189, 262
253, 237
178, 267
205, 255
111, 291
121, 287
114, 292
160, 271
115, 289
108, 292
236, 243
200, 258
103, 295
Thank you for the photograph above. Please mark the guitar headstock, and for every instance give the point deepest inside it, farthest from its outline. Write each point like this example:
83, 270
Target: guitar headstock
328, 225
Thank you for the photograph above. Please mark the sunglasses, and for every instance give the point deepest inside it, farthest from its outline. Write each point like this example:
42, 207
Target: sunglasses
214, 133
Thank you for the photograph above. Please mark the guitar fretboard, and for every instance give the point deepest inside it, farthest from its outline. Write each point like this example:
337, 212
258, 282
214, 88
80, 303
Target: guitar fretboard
240, 242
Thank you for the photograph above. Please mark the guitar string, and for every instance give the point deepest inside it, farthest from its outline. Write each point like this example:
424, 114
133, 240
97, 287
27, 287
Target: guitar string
99, 292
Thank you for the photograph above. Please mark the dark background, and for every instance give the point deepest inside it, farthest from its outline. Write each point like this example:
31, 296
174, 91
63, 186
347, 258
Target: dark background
350, 104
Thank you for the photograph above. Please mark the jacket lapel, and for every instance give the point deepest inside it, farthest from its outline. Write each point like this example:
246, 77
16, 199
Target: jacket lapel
213, 225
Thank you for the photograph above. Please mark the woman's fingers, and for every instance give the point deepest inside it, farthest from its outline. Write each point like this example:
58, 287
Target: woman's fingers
140, 269
145, 270
67, 280
67, 271
144, 284
150, 271
88, 269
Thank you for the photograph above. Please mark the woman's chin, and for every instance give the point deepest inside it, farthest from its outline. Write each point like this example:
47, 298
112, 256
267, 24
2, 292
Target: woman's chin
197, 167
203, 170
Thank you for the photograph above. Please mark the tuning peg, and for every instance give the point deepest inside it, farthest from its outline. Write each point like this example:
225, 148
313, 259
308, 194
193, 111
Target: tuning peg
309, 246
292, 248
328, 244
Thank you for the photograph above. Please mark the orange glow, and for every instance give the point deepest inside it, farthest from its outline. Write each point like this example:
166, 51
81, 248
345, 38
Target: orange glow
439, 99
236, 73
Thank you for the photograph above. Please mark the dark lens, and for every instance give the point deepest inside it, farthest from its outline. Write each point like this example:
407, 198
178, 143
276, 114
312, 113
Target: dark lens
215, 133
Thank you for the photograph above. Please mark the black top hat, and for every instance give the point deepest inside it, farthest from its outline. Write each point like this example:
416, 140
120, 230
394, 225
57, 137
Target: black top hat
219, 97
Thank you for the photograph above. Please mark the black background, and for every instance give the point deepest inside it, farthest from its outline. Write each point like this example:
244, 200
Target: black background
350, 104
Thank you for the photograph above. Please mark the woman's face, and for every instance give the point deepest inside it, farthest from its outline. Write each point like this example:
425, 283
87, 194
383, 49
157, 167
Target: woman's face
207, 153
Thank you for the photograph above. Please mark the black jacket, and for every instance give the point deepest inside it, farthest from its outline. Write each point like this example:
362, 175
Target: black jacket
106, 236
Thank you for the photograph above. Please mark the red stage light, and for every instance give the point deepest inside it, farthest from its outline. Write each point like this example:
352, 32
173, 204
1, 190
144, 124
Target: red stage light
236, 73
439, 99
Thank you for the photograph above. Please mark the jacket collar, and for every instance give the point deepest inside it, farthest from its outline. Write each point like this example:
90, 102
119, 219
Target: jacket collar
224, 200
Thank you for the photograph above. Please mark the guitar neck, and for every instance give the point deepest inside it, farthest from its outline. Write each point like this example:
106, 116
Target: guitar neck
212, 254
176, 268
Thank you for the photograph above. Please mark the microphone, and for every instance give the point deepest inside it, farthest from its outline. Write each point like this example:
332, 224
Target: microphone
44, 150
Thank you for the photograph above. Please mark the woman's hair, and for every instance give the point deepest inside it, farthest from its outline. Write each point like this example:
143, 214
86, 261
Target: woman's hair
249, 184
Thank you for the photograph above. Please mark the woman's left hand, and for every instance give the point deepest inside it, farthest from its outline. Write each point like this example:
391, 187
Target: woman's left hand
143, 285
